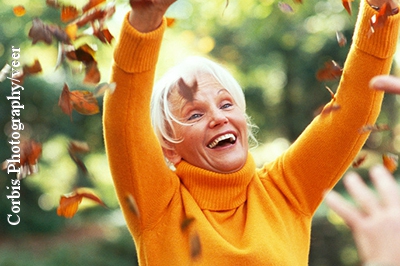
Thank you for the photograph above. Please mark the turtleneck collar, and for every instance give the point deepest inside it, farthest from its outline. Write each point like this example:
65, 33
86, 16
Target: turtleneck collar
217, 191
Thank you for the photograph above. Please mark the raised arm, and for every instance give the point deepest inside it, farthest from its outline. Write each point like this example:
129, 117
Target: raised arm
325, 150
135, 157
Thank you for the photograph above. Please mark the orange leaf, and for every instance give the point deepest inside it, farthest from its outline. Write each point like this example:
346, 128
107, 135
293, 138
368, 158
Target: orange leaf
27, 70
65, 101
347, 5
69, 203
91, 4
30, 152
170, 22
378, 20
68, 13
390, 161
330, 71
19, 11
104, 35
84, 102
92, 74
356, 163
71, 30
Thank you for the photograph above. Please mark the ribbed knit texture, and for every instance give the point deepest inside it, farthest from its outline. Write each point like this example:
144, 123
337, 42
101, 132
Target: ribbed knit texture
251, 217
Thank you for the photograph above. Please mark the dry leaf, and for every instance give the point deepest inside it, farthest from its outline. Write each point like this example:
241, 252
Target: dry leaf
103, 87
330, 71
341, 39
69, 203
133, 205
374, 128
359, 160
65, 101
68, 13
347, 5
390, 161
84, 102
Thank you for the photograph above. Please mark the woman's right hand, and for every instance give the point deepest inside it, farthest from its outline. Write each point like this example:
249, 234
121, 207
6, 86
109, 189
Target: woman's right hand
147, 15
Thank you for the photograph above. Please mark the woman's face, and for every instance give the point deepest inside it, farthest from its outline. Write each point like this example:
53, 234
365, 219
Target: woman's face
216, 138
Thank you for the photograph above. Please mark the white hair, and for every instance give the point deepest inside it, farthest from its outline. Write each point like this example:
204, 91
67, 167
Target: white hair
161, 115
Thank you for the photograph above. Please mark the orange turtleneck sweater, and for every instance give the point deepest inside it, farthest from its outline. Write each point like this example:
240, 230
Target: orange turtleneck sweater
251, 217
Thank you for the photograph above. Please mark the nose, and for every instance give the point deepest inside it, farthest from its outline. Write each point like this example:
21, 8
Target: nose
217, 118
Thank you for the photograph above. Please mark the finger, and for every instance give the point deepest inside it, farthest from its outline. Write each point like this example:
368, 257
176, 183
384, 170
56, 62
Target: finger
386, 186
386, 83
361, 193
343, 208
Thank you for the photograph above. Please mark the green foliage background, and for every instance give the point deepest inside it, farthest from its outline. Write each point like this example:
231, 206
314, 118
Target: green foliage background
274, 55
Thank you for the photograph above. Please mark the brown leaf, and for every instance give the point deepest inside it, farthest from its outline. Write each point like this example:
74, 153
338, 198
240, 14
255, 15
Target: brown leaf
374, 128
84, 102
92, 74
195, 245
104, 35
330, 71
378, 20
133, 205
341, 39
75, 147
359, 160
65, 101
28, 70
186, 223
45, 33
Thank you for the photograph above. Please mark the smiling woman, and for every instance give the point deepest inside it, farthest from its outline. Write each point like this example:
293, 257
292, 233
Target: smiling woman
216, 208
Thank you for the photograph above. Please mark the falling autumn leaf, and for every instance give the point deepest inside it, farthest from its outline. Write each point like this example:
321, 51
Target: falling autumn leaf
133, 205
30, 151
91, 4
341, 39
358, 161
104, 35
186, 223
195, 245
76, 147
332, 107
330, 92
69, 203
330, 71
92, 73
4, 72
285, 8
374, 128
45, 33
390, 161
103, 87
68, 13
83, 102
347, 5
378, 20
85, 54
19, 11
65, 101
28, 70
170, 22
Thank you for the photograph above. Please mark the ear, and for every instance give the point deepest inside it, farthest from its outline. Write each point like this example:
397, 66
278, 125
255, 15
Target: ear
172, 155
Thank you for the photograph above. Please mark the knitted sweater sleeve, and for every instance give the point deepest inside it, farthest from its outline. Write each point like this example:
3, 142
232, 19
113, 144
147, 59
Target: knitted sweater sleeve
323, 152
135, 157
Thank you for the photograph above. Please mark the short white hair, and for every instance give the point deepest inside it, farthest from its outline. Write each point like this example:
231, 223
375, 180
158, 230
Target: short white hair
161, 115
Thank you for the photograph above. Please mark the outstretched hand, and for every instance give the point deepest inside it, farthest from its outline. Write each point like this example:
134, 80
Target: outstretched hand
375, 224
147, 15
386, 83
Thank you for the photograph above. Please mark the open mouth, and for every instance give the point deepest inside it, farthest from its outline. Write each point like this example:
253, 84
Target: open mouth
222, 141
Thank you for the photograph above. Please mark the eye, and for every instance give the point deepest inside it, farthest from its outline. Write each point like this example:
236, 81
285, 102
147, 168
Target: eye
195, 116
226, 105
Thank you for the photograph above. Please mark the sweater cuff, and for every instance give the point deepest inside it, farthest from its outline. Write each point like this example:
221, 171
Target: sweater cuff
137, 51
381, 43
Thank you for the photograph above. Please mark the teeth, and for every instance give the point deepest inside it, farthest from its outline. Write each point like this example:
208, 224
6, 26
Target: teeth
229, 136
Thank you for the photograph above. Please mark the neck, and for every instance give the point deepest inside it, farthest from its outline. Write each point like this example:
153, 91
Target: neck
216, 191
